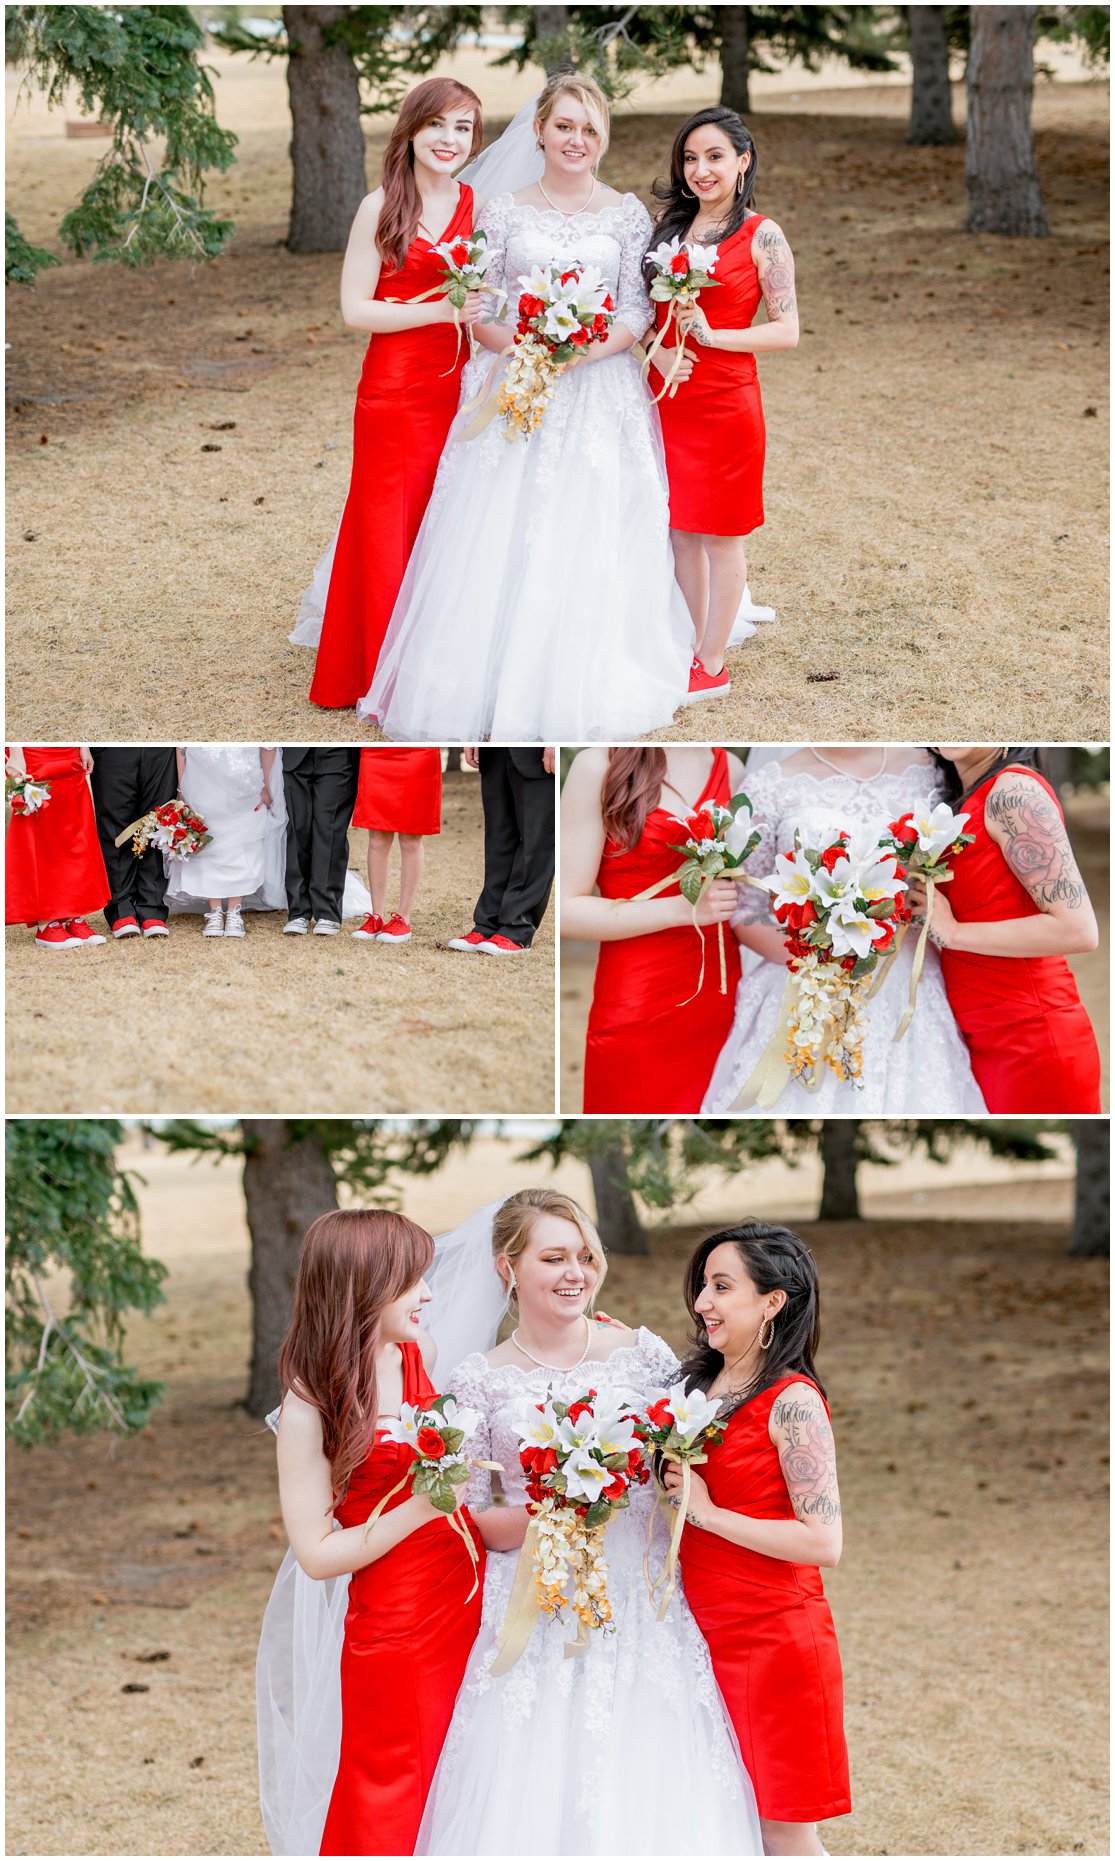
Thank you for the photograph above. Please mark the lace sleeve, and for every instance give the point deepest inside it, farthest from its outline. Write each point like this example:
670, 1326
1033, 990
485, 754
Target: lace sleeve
632, 302
493, 222
661, 1364
468, 1386
754, 906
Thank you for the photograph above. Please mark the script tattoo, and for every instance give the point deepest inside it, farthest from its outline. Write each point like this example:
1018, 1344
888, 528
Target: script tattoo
1029, 828
774, 263
807, 1455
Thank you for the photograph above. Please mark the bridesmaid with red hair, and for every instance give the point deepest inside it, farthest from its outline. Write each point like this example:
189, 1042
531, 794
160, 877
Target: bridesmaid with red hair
411, 378
354, 1354
54, 868
657, 1024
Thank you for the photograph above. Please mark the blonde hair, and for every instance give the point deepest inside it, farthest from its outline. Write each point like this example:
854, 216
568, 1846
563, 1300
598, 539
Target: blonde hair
514, 1220
588, 94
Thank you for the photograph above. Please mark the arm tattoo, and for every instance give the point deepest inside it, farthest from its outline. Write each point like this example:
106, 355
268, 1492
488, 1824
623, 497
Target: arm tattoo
808, 1458
774, 263
1031, 833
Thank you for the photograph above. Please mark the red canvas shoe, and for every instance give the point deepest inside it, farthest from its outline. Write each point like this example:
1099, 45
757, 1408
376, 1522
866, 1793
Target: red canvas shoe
396, 930
704, 684
78, 928
125, 927
474, 941
370, 928
502, 946
154, 927
57, 937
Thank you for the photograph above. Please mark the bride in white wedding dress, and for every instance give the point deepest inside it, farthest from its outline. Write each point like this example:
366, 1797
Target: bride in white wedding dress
928, 1070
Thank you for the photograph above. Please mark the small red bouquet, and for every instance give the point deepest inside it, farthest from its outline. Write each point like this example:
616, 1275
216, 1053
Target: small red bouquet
25, 796
174, 828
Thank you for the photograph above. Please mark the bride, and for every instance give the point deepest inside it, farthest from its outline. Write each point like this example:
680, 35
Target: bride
540, 599
821, 790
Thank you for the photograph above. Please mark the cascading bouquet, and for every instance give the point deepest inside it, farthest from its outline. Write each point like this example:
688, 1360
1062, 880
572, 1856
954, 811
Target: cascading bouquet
437, 1436
840, 906
679, 1424
563, 310
682, 270
580, 1459
466, 260
924, 840
25, 796
174, 828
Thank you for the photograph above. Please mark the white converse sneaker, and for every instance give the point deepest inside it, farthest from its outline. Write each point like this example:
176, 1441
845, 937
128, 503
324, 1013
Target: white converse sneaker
214, 925
296, 927
234, 922
325, 927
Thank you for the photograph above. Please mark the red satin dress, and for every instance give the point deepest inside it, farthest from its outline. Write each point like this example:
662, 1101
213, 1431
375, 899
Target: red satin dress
770, 1632
408, 1634
713, 427
404, 408
54, 867
1029, 1038
399, 791
649, 1048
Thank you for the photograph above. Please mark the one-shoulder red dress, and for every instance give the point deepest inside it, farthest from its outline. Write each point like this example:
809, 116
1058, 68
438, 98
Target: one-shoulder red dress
712, 426
408, 1634
653, 1038
404, 408
399, 791
1031, 1043
770, 1632
54, 867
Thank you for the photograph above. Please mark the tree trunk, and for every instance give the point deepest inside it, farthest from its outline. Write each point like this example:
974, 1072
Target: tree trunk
617, 1218
839, 1156
735, 58
1000, 167
931, 121
286, 1186
1091, 1221
327, 146
552, 23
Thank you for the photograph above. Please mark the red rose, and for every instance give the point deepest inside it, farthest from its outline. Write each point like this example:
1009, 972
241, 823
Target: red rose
581, 1511
577, 1409
430, 1444
600, 323
568, 276
883, 935
903, 830
634, 1459
701, 825
617, 1488
659, 1414
19, 806
830, 856
579, 337
459, 253
679, 265
609, 302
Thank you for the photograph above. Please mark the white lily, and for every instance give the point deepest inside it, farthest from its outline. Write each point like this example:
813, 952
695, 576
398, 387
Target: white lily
851, 936
937, 827
791, 882
738, 834
538, 1428
616, 1434
692, 1410
578, 1432
467, 1420
410, 1420
701, 258
585, 1478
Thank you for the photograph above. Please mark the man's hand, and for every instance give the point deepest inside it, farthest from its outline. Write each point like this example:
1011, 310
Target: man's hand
549, 759
472, 755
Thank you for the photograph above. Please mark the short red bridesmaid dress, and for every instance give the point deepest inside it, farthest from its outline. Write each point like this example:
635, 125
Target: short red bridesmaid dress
713, 427
1029, 1038
770, 1632
650, 1049
54, 867
404, 408
408, 1634
399, 791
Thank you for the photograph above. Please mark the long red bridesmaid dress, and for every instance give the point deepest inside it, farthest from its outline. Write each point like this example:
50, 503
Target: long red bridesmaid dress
408, 1634
405, 405
54, 867
650, 1049
712, 426
1031, 1043
770, 1632
399, 791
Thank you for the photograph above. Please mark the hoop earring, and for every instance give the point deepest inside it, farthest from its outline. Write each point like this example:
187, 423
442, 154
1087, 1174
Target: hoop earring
766, 1342
685, 193
739, 183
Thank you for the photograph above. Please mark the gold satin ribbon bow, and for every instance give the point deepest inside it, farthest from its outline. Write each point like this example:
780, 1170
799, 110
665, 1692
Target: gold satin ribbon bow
669, 1571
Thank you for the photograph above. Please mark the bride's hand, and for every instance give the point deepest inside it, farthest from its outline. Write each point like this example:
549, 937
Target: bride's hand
665, 359
264, 797
717, 903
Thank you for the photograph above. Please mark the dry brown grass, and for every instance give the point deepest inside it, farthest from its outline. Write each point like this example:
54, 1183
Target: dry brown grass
966, 1360
937, 444
279, 1023
1089, 823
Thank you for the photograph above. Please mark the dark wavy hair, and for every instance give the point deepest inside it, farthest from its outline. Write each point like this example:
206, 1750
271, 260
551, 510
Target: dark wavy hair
772, 1258
955, 791
678, 203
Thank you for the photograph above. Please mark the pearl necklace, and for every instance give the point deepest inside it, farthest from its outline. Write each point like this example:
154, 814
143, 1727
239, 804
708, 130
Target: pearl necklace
839, 771
556, 1366
568, 216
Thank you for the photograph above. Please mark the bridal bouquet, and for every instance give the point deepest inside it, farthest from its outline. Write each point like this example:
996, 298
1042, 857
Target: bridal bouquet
679, 1424
580, 1459
174, 828
437, 1436
925, 840
562, 312
840, 907
25, 796
682, 270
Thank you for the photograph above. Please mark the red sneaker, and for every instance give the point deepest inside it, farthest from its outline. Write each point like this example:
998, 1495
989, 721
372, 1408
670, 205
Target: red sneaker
125, 927
370, 928
154, 927
57, 937
396, 930
78, 928
474, 941
502, 946
704, 684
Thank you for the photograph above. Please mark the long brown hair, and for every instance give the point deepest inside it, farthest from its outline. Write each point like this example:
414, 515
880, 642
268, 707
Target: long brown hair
632, 787
402, 203
354, 1262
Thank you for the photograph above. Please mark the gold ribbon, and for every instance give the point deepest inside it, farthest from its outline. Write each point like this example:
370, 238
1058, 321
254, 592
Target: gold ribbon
523, 1609
652, 891
772, 1074
931, 883
669, 1571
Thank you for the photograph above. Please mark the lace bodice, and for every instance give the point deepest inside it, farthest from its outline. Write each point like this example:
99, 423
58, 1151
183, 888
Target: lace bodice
236, 766
613, 239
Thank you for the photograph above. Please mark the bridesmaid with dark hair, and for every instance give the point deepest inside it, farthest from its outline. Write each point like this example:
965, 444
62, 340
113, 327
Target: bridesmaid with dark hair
656, 1026
713, 427
763, 1520
1015, 909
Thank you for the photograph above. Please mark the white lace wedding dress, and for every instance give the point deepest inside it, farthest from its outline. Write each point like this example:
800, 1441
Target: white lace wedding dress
928, 1070
623, 1750
540, 602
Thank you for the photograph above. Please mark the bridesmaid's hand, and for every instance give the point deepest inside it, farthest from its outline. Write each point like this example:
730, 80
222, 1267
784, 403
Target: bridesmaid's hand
16, 761
942, 922
471, 309
701, 1508
692, 321
86, 760
717, 904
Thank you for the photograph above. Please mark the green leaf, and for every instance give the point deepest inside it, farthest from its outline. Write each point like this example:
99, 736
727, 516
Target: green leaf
597, 1514
692, 883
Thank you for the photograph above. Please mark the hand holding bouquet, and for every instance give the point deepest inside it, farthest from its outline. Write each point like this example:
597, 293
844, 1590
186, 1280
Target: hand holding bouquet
563, 311
466, 261
682, 270
174, 828
925, 840
679, 1424
437, 1436
25, 796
